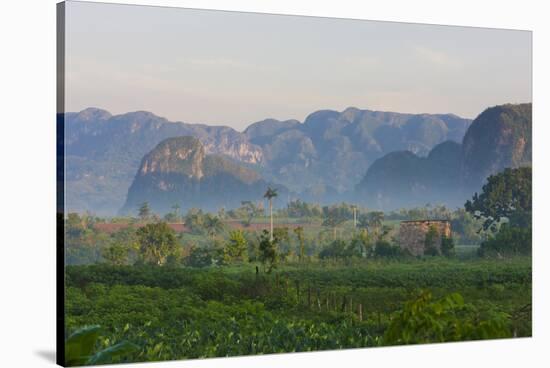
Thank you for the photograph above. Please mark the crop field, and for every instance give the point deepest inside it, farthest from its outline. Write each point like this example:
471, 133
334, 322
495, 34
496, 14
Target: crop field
226, 284
178, 313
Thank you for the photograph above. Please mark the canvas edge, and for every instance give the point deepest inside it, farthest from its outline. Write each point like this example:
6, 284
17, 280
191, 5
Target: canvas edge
60, 183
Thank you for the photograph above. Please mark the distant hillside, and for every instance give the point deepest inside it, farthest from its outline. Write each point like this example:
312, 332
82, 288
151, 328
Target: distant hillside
334, 149
103, 152
178, 171
499, 138
322, 157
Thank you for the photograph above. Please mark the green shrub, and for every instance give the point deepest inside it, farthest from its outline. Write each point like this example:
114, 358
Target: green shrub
509, 241
424, 320
384, 249
336, 249
430, 248
447, 246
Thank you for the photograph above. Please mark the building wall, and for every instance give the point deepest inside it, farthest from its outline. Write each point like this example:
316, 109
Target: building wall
412, 234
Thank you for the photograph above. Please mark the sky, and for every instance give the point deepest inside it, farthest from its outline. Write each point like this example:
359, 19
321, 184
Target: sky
230, 68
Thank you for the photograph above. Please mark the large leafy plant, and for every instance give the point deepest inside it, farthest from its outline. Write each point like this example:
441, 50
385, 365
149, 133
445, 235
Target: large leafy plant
81, 348
424, 320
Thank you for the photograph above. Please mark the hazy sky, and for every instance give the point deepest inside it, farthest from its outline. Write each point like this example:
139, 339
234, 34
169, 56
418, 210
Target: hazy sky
237, 68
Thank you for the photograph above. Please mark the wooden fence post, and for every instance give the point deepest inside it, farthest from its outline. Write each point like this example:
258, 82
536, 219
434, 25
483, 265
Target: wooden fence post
319, 298
343, 309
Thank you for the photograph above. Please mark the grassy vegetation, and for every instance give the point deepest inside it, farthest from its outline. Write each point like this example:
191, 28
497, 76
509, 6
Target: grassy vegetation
226, 287
178, 313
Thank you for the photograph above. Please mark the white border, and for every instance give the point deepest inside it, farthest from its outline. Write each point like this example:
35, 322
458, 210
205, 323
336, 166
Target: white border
27, 180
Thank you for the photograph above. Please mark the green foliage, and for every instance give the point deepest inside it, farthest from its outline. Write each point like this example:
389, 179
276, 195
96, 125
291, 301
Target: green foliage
299, 232
281, 234
268, 251
414, 213
197, 309
74, 227
213, 225
434, 272
447, 246
466, 227
430, 247
157, 242
83, 243
336, 249
236, 248
507, 195
81, 344
174, 215
194, 220
384, 249
509, 241
250, 210
361, 245
281, 237
337, 214
116, 254
371, 220
144, 212
301, 209
201, 257
183, 313
270, 193
424, 320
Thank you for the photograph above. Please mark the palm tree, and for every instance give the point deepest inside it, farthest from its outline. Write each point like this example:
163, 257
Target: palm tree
270, 194
213, 225
375, 220
144, 211
354, 208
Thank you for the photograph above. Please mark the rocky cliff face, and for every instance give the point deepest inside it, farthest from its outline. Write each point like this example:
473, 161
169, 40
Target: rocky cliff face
178, 171
334, 149
330, 150
95, 133
103, 152
184, 155
499, 138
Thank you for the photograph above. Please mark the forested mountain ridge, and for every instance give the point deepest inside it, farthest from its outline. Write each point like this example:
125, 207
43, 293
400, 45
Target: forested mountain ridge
179, 172
333, 149
103, 152
500, 137
325, 155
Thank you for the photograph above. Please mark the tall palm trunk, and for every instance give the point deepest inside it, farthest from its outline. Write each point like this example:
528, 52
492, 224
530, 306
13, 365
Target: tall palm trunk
270, 220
